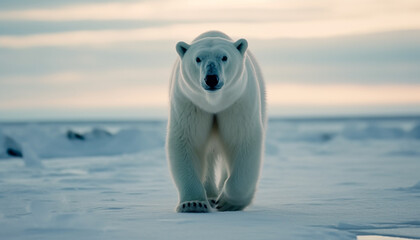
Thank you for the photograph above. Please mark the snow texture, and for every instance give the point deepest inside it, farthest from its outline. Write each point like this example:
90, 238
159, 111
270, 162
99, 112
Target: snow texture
321, 179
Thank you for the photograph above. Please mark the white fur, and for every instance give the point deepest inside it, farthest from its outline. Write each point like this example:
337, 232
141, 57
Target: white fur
207, 126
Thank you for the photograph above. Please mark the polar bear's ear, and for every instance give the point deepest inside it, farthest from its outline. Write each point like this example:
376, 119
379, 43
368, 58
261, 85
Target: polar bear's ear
181, 48
241, 45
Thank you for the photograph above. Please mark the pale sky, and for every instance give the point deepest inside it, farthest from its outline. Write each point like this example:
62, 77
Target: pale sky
112, 59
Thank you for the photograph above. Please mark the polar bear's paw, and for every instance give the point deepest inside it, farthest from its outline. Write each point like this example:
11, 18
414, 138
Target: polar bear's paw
193, 207
224, 204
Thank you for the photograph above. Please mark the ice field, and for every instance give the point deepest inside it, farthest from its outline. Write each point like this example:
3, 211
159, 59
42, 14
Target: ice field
333, 178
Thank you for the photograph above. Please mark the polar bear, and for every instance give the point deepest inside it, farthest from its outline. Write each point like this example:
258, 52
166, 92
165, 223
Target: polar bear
216, 124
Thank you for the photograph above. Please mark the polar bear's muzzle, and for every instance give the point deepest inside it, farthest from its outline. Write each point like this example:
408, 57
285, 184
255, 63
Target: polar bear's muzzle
212, 81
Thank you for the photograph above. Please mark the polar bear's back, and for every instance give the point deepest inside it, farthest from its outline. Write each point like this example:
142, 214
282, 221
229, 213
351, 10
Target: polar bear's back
212, 34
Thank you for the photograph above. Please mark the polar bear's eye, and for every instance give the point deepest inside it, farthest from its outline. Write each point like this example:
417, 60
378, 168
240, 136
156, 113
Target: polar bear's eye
224, 58
198, 60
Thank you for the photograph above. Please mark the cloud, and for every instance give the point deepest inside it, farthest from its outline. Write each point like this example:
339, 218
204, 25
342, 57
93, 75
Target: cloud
260, 30
98, 94
174, 10
216, 10
147, 87
143, 76
352, 71
301, 71
118, 96
342, 94
251, 19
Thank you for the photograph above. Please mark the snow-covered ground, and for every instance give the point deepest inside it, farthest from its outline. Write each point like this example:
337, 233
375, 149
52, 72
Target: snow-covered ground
321, 179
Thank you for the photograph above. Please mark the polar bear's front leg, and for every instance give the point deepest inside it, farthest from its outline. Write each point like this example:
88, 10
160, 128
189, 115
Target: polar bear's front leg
183, 164
244, 163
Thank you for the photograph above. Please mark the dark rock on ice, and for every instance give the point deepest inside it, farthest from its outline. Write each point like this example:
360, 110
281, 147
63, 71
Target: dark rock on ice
74, 135
96, 133
13, 149
14, 152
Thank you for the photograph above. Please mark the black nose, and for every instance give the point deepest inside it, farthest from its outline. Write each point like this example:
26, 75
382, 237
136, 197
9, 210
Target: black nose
212, 80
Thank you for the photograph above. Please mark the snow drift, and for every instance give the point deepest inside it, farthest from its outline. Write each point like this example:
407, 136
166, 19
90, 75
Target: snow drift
321, 179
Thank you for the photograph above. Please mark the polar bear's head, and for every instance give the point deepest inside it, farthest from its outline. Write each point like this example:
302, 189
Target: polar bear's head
212, 71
